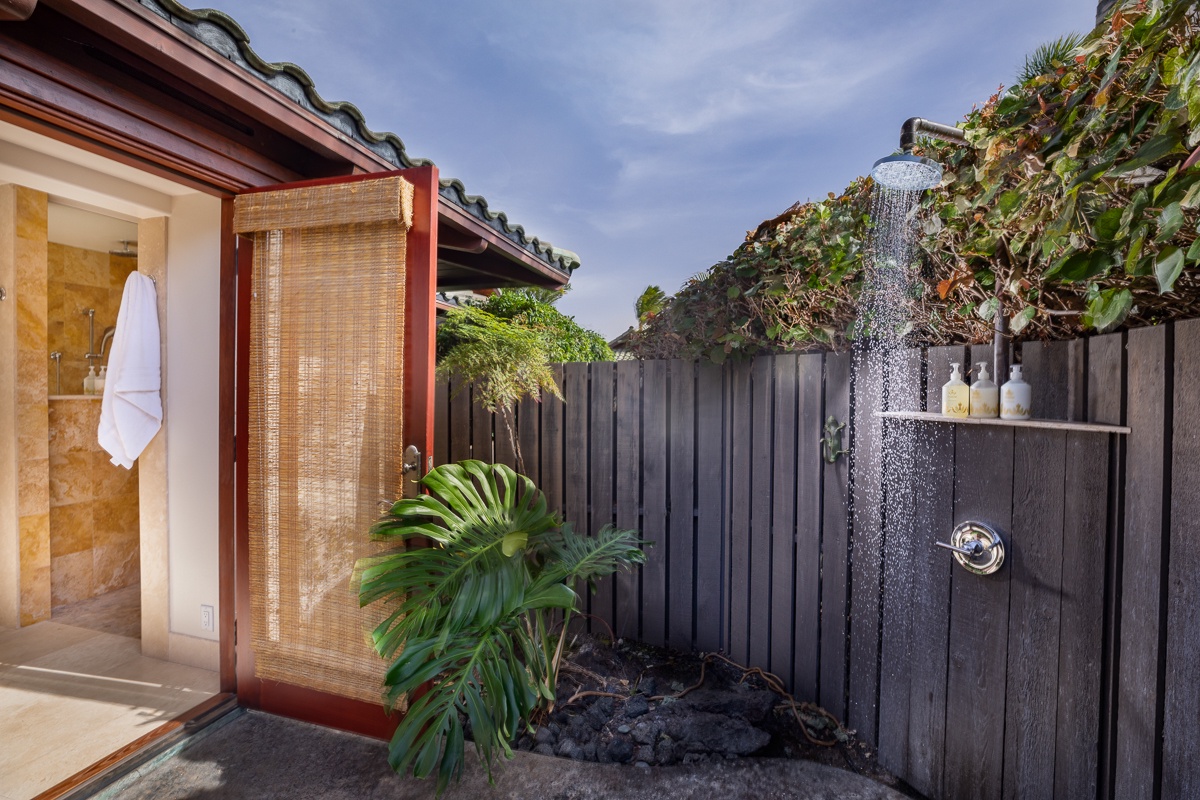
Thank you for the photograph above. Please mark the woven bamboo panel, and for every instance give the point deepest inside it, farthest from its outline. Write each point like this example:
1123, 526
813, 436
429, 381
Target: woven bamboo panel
326, 434
383, 200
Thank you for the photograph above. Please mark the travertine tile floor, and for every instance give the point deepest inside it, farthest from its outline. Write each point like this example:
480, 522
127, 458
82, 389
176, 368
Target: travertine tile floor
70, 696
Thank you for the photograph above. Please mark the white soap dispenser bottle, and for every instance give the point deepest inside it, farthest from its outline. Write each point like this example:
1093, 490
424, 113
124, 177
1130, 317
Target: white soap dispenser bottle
89, 383
956, 400
985, 396
100, 379
1016, 396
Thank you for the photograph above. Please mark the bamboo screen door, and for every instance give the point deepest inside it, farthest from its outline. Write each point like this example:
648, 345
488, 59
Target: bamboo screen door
336, 282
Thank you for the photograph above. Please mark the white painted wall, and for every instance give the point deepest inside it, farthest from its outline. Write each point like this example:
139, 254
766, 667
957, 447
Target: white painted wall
192, 402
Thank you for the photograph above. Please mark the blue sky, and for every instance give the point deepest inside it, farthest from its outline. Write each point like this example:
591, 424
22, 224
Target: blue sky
650, 135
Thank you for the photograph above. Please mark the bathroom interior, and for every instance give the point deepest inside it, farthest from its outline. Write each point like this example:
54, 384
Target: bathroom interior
93, 519
77, 681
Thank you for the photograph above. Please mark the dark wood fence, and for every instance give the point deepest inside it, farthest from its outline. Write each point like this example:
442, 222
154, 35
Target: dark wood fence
1074, 672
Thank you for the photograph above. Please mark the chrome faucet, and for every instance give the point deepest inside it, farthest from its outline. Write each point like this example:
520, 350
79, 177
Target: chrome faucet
106, 339
56, 357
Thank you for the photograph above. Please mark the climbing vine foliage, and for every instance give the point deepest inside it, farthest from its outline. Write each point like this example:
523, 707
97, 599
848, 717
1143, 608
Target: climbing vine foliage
1073, 208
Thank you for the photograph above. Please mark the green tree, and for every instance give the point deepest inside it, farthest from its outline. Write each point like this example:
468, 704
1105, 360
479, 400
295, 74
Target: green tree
650, 304
504, 347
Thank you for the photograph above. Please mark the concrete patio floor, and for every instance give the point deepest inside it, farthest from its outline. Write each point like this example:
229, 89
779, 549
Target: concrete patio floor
254, 755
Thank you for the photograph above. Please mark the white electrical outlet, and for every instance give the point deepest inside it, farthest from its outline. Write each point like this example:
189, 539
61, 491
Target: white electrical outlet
207, 618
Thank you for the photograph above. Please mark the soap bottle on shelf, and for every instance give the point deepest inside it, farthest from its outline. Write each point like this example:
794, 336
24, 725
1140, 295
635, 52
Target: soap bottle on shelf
89, 383
1016, 396
100, 379
985, 397
955, 394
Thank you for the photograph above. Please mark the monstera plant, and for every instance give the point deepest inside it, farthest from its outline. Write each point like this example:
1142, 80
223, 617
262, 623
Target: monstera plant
479, 583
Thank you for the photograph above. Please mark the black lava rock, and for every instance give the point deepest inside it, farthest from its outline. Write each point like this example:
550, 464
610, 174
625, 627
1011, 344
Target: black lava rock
620, 750
716, 733
636, 706
752, 705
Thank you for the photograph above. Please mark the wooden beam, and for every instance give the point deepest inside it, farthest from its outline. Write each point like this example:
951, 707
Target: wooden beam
496, 266
456, 217
450, 238
42, 87
137, 29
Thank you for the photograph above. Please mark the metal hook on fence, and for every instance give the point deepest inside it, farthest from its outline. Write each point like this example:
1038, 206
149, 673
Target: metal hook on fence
831, 442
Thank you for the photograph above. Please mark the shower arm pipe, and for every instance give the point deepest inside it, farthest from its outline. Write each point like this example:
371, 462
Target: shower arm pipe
915, 126
1000, 343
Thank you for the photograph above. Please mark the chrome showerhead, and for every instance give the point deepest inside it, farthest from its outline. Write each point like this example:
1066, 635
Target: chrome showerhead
128, 249
906, 171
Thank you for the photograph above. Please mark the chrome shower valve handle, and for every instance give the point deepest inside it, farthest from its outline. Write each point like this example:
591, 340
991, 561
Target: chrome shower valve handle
977, 547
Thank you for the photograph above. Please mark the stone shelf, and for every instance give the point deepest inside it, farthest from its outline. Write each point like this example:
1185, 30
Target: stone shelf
1052, 424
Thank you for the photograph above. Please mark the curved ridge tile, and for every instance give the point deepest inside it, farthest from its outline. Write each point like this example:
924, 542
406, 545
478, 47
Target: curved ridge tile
222, 34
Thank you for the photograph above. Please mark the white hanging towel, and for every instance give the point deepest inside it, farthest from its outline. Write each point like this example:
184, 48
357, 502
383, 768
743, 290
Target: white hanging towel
131, 411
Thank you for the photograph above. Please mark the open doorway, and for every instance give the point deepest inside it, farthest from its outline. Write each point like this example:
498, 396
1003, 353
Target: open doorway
95, 567
110, 630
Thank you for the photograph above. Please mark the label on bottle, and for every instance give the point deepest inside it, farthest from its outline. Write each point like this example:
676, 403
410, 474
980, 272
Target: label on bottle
985, 402
955, 400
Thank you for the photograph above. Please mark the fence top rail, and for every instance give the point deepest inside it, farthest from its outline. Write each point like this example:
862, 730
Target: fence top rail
1054, 424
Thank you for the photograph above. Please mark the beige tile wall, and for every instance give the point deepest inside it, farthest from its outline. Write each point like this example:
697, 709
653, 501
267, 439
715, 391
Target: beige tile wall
77, 280
33, 455
93, 508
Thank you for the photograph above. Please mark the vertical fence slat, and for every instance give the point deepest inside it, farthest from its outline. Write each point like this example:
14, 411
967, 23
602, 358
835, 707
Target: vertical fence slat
460, 419
904, 444
654, 502
1034, 557
1103, 400
866, 556
1039, 485
1084, 524
575, 455
441, 422
710, 502
1047, 368
626, 586
758, 497
601, 441
924, 761
1139, 722
835, 543
978, 618
527, 429
1181, 744
802, 451
682, 567
549, 445
1081, 646
740, 414
481, 430
785, 626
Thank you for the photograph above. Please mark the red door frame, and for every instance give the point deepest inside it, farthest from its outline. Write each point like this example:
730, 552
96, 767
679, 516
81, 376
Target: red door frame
419, 328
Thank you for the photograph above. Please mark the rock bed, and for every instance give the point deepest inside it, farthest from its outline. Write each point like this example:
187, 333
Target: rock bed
662, 714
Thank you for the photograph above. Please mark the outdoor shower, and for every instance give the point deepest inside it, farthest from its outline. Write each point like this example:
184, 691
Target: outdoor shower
907, 172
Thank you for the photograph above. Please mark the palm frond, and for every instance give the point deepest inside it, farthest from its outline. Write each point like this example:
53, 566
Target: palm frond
473, 572
1049, 57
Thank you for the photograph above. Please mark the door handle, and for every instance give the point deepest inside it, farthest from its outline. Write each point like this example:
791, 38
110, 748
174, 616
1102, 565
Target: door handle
412, 472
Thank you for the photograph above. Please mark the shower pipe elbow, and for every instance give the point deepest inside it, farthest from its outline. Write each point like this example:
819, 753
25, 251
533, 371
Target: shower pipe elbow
914, 126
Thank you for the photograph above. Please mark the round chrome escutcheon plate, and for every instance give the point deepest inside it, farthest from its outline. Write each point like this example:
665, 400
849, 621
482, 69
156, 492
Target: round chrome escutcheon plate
990, 558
